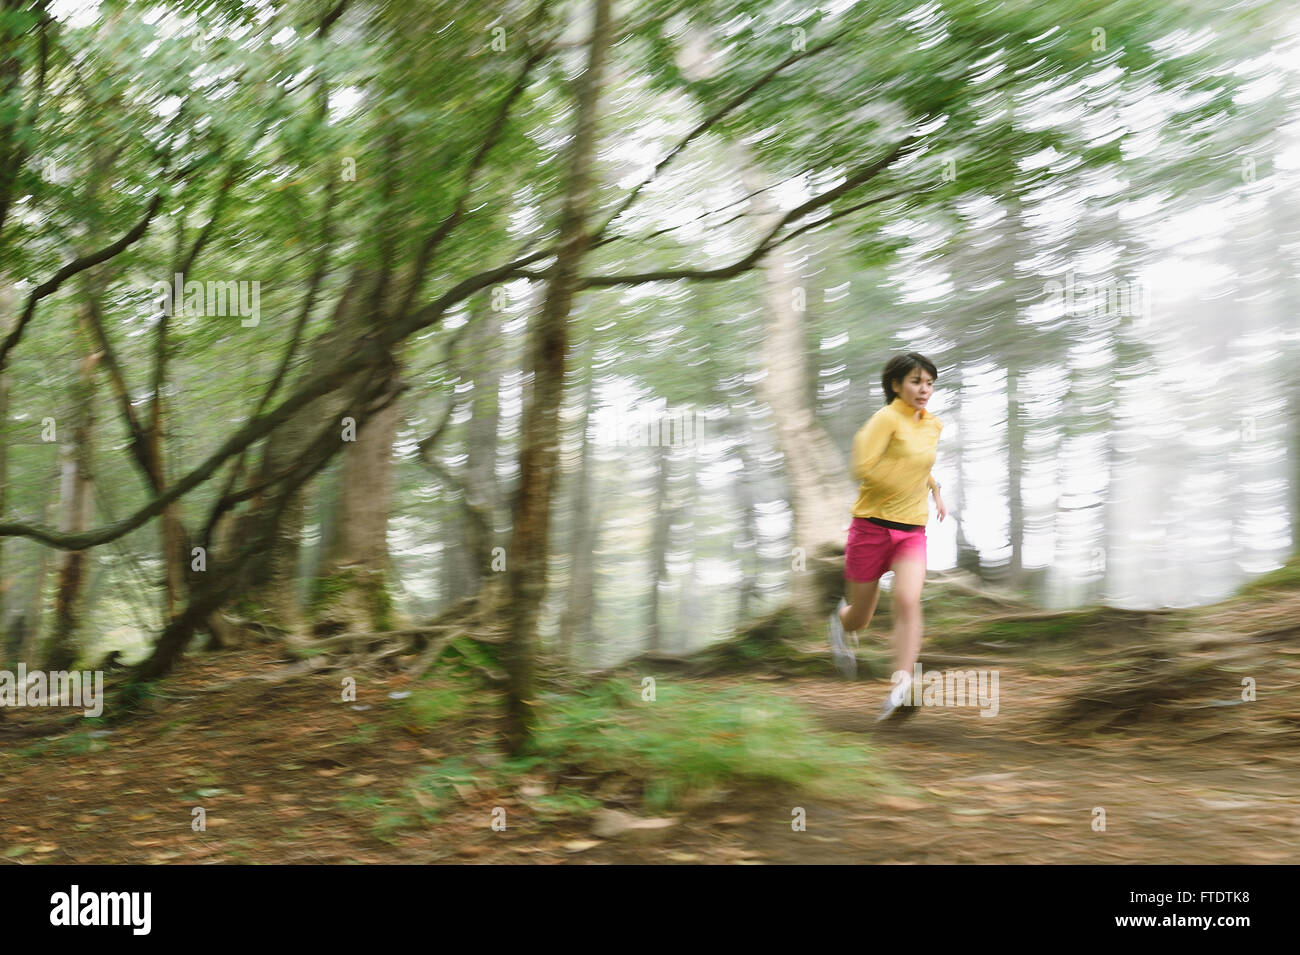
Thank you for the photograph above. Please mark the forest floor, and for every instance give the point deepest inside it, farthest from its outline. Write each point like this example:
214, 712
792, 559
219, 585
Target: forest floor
287, 773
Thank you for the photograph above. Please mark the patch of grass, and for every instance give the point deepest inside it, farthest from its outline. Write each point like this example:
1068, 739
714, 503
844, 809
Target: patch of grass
430, 706
564, 802
1036, 631
74, 744
360, 801
77, 743
387, 820
697, 738
437, 785
692, 739
39, 748
463, 655
1286, 577
366, 734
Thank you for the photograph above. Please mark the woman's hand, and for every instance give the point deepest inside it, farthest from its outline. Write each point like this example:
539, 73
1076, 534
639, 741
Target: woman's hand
938, 505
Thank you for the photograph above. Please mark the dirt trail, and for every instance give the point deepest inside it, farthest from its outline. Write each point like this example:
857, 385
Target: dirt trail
287, 774
999, 790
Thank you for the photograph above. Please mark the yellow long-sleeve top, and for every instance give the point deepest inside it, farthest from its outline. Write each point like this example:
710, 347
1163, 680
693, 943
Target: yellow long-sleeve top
892, 456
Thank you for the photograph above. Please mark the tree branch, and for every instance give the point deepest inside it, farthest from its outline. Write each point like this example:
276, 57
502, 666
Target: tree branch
51, 285
769, 241
711, 120
490, 139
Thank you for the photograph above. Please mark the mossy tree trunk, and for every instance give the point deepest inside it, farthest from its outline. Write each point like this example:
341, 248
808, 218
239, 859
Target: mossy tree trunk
540, 433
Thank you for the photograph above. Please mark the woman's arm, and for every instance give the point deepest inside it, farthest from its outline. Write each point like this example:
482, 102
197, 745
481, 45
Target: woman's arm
938, 497
870, 442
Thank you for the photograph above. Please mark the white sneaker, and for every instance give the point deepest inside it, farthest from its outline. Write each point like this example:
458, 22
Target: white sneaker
846, 636
846, 661
898, 703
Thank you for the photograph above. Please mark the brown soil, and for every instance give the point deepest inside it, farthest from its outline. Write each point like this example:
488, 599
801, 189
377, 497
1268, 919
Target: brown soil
287, 773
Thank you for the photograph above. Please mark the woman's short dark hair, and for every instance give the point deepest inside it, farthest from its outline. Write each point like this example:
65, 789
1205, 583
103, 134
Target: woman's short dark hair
899, 367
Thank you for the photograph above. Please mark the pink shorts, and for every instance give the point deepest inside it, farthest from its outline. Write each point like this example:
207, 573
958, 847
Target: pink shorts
872, 549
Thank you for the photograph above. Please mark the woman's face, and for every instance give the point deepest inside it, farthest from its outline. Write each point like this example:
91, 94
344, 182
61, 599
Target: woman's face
915, 388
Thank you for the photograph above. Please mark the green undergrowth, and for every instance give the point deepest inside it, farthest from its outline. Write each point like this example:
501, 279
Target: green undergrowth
695, 738
1093, 626
1286, 577
691, 743
76, 743
430, 706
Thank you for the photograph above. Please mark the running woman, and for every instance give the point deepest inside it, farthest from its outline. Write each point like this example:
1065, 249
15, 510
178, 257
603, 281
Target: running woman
892, 456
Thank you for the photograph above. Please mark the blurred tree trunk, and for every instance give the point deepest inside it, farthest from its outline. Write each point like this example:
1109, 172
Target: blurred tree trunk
6, 579
354, 592
540, 431
1285, 214
689, 603
821, 493
663, 520
273, 599
473, 531
29, 639
351, 585
63, 649
482, 493
968, 557
1014, 576
358, 563
576, 624
747, 543
454, 573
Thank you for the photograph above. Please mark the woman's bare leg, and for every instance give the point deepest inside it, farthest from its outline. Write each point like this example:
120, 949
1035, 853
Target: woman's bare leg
909, 575
862, 596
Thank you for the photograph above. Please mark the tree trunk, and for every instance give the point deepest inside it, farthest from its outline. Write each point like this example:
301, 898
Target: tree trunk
6, 580
540, 433
968, 557
821, 493
663, 520
351, 567
1014, 576
482, 493
371, 391
75, 503
747, 543
473, 531
689, 602
29, 635
357, 596
576, 625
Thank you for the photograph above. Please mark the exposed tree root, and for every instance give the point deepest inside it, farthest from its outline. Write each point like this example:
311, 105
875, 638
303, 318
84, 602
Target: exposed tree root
472, 620
764, 644
1193, 679
1152, 687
